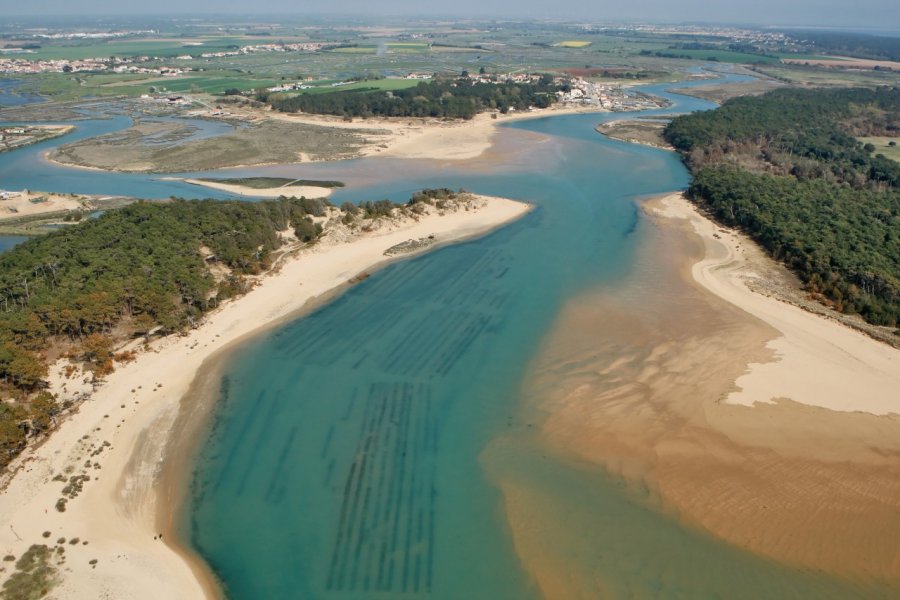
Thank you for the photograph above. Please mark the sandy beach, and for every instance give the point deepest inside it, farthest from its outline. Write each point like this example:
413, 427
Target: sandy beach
28, 203
119, 435
297, 191
423, 138
738, 415
817, 361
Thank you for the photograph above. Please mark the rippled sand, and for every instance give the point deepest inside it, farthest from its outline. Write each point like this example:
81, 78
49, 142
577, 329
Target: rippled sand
631, 383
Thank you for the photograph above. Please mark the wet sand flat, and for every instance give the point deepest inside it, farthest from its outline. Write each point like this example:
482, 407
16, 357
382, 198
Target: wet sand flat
632, 383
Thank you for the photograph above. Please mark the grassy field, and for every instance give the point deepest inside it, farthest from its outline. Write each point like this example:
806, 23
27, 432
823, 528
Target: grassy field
354, 50
549, 48
409, 46
389, 47
882, 146
723, 56
573, 44
790, 56
68, 86
213, 85
130, 48
446, 51
378, 84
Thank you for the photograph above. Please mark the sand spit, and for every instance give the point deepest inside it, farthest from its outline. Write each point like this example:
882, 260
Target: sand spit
296, 191
818, 362
120, 433
433, 139
743, 417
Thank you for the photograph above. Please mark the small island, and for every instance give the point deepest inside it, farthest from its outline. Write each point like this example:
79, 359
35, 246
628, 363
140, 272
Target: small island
647, 131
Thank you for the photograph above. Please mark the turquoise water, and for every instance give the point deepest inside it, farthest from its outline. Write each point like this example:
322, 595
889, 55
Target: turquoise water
345, 459
346, 456
374, 411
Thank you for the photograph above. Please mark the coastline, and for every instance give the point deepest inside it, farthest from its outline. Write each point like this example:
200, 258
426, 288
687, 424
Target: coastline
121, 433
746, 420
398, 137
611, 129
819, 362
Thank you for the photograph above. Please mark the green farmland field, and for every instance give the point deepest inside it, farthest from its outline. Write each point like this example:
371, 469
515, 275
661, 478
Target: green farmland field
379, 84
69, 86
721, 56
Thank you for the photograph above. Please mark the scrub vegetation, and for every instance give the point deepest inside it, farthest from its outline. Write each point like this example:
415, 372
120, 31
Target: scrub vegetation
138, 149
34, 577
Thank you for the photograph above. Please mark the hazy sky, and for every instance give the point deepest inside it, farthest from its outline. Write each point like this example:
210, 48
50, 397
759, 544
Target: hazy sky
884, 14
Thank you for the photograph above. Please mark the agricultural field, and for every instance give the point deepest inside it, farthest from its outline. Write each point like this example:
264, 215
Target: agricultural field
354, 50
71, 86
813, 57
573, 44
380, 58
408, 47
367, 86
149, 47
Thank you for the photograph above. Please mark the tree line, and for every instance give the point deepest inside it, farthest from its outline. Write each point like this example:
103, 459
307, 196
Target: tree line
141, 268
786, 169
150, 267
444, 98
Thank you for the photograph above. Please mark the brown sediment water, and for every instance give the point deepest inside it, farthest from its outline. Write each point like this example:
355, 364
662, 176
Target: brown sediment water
626, 439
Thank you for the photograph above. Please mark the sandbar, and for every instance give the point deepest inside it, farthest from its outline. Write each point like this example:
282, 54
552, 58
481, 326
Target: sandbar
297, 191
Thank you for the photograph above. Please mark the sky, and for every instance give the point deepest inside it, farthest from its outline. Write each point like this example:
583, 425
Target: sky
884, 14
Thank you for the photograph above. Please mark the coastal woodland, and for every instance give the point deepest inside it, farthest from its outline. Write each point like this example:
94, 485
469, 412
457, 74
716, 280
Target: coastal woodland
443, 98
787, 169
149, 268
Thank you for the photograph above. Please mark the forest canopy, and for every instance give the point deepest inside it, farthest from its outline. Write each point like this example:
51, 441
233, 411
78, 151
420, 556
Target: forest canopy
786, 168
147, 268
446, 98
